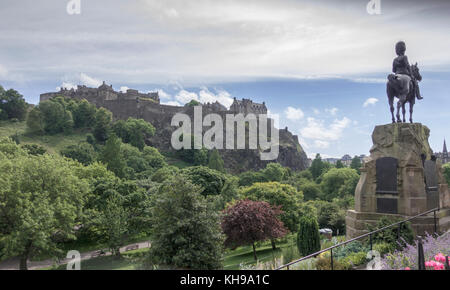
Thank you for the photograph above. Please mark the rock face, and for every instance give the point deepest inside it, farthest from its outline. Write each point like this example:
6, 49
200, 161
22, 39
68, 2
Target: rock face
401, 178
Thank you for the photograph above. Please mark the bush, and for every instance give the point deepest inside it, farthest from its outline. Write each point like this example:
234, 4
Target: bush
383, 248
83, 153
324, 262
34, 149
353, 260
308, 237
349, 249
390, 235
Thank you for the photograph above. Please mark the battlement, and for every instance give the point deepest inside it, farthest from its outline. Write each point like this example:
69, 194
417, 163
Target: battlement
247, 106
102, 93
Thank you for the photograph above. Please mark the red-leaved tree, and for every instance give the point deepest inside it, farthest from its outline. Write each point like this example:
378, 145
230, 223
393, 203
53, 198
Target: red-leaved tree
247, 222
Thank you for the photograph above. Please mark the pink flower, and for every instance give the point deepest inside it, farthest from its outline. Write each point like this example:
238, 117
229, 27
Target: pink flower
439, 257
407, 268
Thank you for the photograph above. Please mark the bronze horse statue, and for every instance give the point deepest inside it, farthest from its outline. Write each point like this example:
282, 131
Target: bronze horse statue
396, 89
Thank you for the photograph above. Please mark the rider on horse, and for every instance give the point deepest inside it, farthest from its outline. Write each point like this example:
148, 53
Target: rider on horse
402, 70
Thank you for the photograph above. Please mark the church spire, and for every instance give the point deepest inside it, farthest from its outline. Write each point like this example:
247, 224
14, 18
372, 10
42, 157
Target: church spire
445, 148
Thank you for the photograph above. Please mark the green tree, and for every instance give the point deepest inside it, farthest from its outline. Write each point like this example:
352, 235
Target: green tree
165, 173
35, 121
112, 156
215, 161
193, 103
338, 182
186, 230
84, 114
134, 131
39, 208
317, 167
339, 164
277, 194
55, 118
331, 216
274, 172
249, 177
102, 126
83, 153
308, 237
446, 168
12, 105
34, 149
356, 164
210, 180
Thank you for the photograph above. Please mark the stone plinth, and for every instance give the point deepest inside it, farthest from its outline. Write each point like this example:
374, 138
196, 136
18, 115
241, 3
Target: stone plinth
398, 188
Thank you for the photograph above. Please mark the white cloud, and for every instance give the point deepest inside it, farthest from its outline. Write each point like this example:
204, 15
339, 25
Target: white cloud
321, 144
223, 97
172, 103
294, 114
89, 81
332, 111
184, 96
123, 89
163, 95
67, 86
316, 111
370, 102
317, 130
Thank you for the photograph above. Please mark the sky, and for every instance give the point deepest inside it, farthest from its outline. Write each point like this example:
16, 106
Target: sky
319, 65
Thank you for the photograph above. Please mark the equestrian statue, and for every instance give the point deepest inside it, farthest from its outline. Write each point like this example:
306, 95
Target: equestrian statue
403, 84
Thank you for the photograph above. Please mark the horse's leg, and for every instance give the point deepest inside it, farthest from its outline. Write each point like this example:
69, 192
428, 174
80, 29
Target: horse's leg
391, 105
404, 111
411, 108
399, 104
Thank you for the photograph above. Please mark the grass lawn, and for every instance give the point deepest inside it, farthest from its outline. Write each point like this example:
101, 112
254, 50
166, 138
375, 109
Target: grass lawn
53, 143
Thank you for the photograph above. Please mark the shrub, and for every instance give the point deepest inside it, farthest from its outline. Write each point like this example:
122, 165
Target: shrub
308, 237
324, 262
389, 236
353, 260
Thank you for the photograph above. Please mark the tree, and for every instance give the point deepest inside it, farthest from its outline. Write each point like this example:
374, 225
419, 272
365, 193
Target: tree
193, 103
247, 222
102, 126
338, 183
165, 173
39, 208
34, 149
310, 189
339, 164
356, 164
35, 121
274, 172
446, 168
277, 194
308, 237
12, 105
185, 228
210, 180
215, 161
83, 153
84, 114
153, 157
112, 156
317, 167
55, 118
134, 131
249, 177
331, 216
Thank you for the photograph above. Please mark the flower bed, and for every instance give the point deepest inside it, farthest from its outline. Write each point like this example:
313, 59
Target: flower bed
435, 250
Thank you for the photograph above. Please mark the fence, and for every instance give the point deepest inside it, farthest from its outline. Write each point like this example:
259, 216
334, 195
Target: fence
370, 235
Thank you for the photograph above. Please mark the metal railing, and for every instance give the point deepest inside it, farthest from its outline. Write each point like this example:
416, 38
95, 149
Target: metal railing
370, 234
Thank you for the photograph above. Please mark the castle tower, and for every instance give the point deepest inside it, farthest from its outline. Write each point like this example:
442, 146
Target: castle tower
444, 151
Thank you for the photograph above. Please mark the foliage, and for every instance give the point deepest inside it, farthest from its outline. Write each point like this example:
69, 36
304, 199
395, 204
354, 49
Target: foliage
35, 121
317, 167
84, 114
83, 153
102, 126
164, 173
186, 230
356, 164
339, 164
353, 260
339, 183
249, 177
12, 105
134, 131
277, 194
350, 248
34, 149
113, 157
193, 103
330, 216
275, 172
446, 168
323, 262
39, 208
308, 237
247, 222
52, 117
390, 235
215, 161
210, 181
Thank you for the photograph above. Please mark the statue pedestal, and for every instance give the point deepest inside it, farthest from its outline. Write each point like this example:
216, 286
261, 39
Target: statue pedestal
400, 179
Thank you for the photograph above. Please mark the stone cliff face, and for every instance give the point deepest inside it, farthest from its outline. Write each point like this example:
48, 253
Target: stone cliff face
291, 154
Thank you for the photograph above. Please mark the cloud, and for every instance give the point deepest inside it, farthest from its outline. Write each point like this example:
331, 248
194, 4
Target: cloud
89, 81
123, 89
223, 97
184, 96
332, 111
163, 95
3, 71
370, 102
321, 144
317, 130
294, 114
172, 103
67, 86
